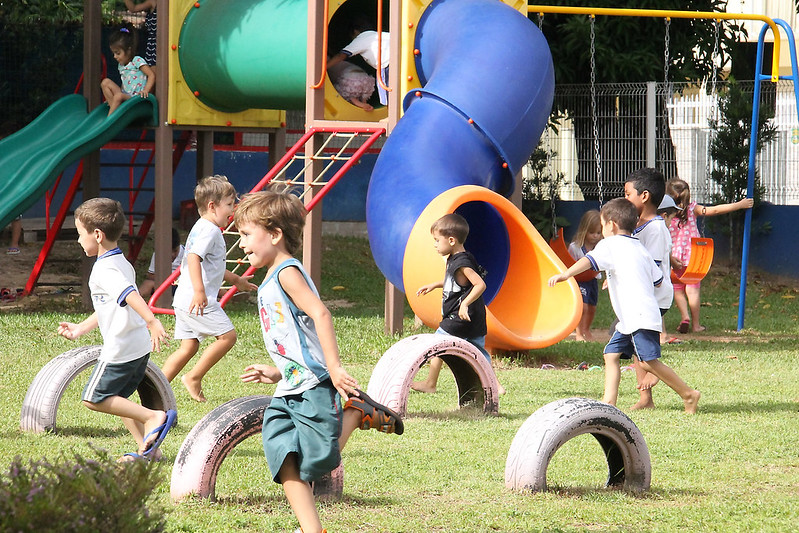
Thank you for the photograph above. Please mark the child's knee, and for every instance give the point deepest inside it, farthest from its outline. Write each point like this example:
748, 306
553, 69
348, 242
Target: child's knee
612, 358
89, 405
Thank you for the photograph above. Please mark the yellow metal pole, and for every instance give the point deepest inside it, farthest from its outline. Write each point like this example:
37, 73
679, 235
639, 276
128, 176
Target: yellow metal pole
663, 13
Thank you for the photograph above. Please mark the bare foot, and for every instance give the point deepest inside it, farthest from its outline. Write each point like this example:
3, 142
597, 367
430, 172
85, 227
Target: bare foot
195, 389
500, 390
699, 329
363, 105
643, 404
692, 402
422, 386
649, 381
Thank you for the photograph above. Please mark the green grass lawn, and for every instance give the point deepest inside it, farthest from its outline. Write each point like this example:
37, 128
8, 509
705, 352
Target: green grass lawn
732, 467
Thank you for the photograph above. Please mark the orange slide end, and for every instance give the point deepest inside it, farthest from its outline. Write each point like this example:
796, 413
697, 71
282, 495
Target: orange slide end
525, 313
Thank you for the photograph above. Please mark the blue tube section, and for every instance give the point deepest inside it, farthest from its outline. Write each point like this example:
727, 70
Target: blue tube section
480, 60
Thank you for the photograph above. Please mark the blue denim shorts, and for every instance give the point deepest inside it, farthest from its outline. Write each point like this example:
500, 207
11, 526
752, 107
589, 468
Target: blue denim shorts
644, 344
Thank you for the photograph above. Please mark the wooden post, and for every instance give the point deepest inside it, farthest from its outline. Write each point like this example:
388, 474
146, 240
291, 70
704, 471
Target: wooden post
163, 159
92, 46
205, 154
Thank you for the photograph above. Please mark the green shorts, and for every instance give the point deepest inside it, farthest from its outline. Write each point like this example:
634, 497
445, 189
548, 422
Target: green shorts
308, 425
115, 379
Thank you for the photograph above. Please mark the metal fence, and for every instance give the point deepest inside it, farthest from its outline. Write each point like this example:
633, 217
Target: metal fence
632, 132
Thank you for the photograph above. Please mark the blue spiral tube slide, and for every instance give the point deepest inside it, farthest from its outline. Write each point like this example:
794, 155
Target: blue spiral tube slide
488, 85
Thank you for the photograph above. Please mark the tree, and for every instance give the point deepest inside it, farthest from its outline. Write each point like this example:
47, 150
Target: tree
730, 151
631, 49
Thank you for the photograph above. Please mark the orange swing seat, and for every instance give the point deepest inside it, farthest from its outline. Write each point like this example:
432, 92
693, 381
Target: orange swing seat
558, 245
699, 264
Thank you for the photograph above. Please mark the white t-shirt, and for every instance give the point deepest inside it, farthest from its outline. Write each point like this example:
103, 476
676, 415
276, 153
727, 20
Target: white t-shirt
577, 252
655, 237
125, 335
365, 45
205, 240
632, 275
175, 263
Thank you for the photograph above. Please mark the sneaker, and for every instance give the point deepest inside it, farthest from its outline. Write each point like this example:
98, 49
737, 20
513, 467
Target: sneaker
12, 251
375, 415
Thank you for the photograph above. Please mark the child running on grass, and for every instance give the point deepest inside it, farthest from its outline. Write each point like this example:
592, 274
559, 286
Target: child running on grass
304, 426
682, 228
198, 314
589, 233
632, 276
123, 318
463, 310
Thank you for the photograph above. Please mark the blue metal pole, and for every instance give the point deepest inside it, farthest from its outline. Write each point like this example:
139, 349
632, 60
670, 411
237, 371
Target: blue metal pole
750, 186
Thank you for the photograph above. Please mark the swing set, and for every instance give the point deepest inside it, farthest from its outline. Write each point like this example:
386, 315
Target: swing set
702, 248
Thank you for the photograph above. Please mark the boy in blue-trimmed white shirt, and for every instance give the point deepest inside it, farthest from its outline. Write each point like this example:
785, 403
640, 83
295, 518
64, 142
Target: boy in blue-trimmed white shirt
305, 427
632, 276
123, 318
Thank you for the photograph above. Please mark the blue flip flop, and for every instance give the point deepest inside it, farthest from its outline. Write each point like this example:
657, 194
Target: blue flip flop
161, 431
137, 456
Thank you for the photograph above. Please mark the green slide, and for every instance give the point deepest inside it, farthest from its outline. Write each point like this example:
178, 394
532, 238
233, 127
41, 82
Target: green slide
32, 158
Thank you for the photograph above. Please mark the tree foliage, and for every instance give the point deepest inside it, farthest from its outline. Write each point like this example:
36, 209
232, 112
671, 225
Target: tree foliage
729, 149
631, 49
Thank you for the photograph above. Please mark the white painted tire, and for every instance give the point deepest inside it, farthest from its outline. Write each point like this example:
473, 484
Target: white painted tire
546, 430
211, 440
44, 394
392, 376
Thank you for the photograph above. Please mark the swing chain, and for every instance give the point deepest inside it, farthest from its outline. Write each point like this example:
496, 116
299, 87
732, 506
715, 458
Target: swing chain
667, 92
712, 118
594, 111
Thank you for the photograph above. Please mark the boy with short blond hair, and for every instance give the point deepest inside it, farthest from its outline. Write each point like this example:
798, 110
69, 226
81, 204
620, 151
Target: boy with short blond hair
304, 426
632, 276
123, 318
198, 314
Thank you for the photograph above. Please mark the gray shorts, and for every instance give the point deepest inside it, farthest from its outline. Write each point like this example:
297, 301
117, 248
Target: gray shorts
115, 379
211, 324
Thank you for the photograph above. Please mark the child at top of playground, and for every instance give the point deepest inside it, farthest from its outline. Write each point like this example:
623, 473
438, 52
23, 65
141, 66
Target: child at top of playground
353, 84
364, 44
589, 233
148, 285
645, 188
150, 25
198, 314
632, 275
123, 318
682, 228
463, 310
304, 427
138, 78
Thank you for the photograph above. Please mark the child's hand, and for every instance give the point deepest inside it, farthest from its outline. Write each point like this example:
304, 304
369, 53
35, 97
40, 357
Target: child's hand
557, 278
243, 284
344, 383
69, 330
158, 335
425, 289
261, 374
463, 312
746, 203
144, 93
605, 284
198, 303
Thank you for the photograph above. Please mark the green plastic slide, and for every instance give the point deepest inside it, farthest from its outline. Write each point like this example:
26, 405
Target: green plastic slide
32, 158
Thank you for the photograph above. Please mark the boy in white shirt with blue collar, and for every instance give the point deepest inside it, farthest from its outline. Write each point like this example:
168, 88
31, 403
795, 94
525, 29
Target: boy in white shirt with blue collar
123, 318
632, 276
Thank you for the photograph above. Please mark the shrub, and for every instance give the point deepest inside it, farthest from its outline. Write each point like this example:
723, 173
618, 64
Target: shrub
78, 494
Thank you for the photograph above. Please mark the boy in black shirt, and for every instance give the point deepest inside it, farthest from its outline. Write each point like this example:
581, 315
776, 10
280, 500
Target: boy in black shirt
462, 307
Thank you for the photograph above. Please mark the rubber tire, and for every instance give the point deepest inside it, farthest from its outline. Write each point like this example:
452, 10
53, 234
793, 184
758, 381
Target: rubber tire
44, 394
475, 379
211, 440
546, 430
